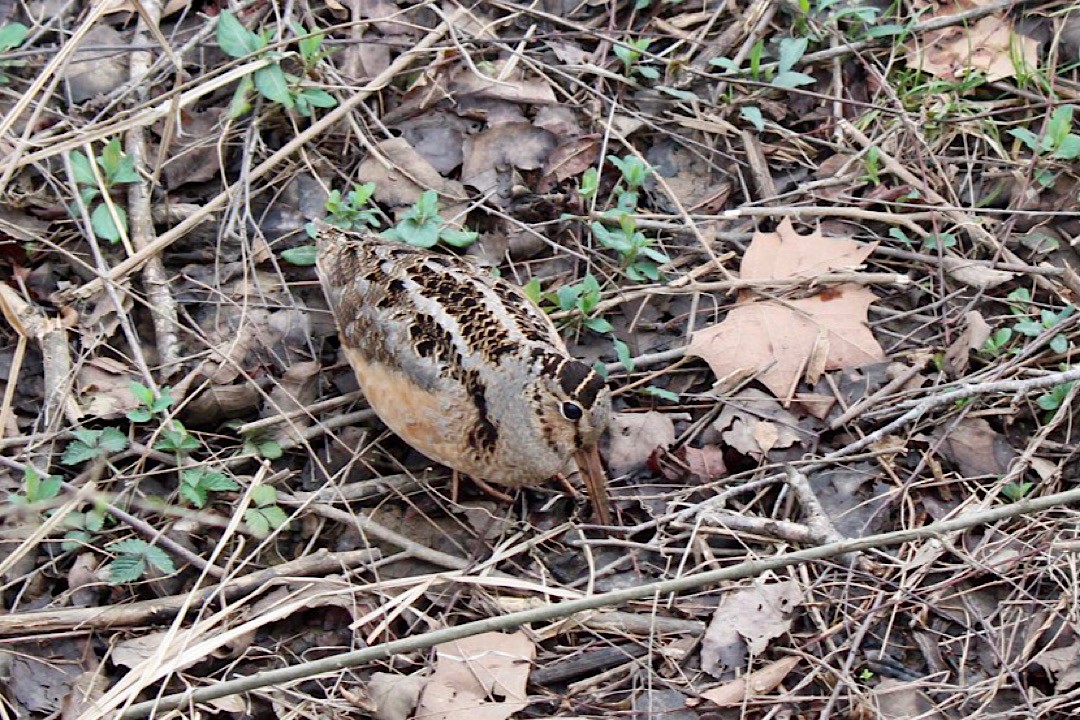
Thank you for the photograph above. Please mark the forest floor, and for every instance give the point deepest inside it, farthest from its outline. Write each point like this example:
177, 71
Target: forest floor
825, 253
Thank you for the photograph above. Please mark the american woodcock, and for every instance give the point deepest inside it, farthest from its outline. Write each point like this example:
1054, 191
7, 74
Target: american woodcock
462, 365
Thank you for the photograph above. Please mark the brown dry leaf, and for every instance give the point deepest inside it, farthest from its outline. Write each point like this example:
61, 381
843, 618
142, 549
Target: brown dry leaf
104, 387
569, 160
510, 145
754, 423
515, 89
976, 449
777, 339
437, 137
394, 696
989, 45
194, 154
976, 333
975, 275
897, 700
634, 437
93, 72
471, 672
787, 254
753, 684
706, 463
297, 389
1063, 664
745, 621
402, 175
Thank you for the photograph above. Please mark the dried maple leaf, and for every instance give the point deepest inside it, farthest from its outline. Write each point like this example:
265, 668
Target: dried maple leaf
990, 45
778, 339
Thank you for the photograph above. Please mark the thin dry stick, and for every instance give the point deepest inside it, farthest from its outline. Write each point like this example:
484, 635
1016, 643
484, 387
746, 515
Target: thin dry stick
567, 608
400, 65
160, 299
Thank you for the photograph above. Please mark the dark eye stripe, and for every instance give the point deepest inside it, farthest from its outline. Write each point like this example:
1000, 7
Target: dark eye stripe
580, 382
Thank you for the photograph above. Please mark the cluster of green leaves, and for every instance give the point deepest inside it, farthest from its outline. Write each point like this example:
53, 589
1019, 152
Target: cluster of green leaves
1057, 143
860, 21
422, 226
1029, 322
638, 257
630, 54
1053, 399
12, 36
272, 81
581, 298
117, 168
931, 242
266, 515
196, 484
93, 445
133, 557
80, 525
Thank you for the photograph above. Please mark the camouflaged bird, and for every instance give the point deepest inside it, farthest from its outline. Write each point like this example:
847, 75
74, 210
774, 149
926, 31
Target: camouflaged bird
462, 365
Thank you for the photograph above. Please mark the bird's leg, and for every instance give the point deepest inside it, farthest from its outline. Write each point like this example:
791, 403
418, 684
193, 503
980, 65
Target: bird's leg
492, 491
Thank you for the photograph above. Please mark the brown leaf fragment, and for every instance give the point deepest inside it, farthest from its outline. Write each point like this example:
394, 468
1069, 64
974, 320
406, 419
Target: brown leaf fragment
897, 700
782, 340
1063, 664
478, 678
745, 621
634, 437
787, 254
776, 340
193, 155
990, 45
570, 160
975, 275
976, 333
706, 463
510, 145
514, 89
394, 697
975, 448
752, 685
401, 175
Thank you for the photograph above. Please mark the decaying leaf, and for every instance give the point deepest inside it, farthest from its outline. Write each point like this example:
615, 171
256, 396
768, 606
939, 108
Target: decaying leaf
745, 621
897, 700
975, 448
753, 684
634, 436
394, 697
1063, 664
975, 275
510, 145
990, 45
976, 332
754, 423
401, 175
776, 339
479, 678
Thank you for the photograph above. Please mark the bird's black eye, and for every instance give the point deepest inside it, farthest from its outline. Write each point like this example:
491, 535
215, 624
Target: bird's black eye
571, 411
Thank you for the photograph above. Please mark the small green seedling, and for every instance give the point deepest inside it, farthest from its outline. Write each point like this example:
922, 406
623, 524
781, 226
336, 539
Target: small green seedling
353, 211
590, 183
149, 404
1047, 320
580, 298
82, 526
12, 35
638, 259
271, 81
93, 444
197, 483
1053, 400
1015, 492
133, 558
422, 226
996, 344
791, 51
630, 53
176, 438
117, 168
266, 515
264, 447
35, 488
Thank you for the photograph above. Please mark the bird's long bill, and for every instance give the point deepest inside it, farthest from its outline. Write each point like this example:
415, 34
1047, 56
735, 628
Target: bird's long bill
588, 462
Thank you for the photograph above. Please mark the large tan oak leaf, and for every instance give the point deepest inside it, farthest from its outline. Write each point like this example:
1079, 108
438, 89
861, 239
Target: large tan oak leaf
781, 340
